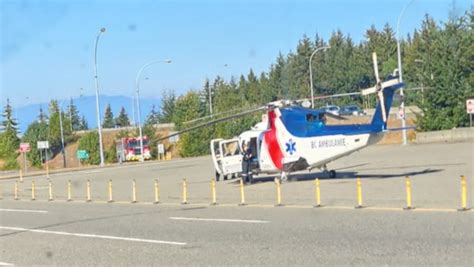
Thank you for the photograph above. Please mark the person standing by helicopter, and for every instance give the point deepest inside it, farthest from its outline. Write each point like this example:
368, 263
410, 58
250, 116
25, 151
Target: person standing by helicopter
246, 163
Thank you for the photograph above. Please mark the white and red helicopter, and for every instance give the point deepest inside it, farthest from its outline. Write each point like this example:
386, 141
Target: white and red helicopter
292, 138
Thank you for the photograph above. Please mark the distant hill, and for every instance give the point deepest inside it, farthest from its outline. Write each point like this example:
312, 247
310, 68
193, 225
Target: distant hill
86, 106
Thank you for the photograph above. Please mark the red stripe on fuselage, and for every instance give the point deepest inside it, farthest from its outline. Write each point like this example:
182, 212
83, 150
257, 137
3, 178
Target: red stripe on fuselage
271, 141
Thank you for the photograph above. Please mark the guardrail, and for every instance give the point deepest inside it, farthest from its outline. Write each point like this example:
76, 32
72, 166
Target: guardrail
453, 135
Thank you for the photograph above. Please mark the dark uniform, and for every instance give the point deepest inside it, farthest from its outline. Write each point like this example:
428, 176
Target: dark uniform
246, 165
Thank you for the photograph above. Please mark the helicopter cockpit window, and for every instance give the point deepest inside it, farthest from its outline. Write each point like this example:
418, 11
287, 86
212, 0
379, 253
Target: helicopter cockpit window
322, 117
319, 117
311, 118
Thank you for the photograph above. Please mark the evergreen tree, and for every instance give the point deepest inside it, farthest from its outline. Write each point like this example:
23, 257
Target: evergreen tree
54, 136
190, 107
204, 95
83, 125
122, 120
168, 103
9, 123
75, 120
108, 118
253, 94
9, 141
153, 117
42, 117
452, 71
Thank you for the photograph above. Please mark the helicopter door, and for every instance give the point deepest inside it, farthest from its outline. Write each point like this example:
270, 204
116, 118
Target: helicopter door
231, 158
255, 151
216, 155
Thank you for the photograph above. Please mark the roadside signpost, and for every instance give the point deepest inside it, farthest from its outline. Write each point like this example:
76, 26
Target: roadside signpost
44, 146
161, 151
470, 109
25, 148
81, 155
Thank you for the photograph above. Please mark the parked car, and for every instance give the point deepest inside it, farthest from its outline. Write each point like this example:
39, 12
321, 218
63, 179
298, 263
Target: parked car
351, 110
333, 109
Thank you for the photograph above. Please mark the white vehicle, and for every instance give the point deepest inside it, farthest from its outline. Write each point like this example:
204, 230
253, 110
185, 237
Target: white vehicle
227, 154
333, 109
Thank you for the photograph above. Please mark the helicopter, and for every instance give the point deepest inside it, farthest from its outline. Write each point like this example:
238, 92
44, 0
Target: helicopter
292, 137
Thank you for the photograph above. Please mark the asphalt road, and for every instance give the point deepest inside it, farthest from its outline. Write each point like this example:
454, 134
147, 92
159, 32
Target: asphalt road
434, 170
120, 233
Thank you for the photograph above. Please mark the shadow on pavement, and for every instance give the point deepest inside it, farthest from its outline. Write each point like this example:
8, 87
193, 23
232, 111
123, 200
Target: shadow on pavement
340, 175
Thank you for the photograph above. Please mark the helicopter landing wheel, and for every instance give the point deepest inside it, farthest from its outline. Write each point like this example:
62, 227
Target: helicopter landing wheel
332, 174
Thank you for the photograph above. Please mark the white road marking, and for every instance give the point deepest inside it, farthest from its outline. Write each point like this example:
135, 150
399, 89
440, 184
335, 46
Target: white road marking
93, 236
217, 220
5, 264
30, 211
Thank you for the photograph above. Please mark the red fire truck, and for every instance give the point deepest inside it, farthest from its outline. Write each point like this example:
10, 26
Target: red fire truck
128, 149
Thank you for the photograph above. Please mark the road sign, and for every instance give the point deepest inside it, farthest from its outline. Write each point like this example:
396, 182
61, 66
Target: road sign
470, 106
43, 144
82, 154
24, 147
161, 149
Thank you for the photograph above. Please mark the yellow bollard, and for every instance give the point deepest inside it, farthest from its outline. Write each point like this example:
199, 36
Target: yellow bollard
185, 192
463, 194
111, 199
50, 190
317, 193
69, 195
47, 169
242, 193
88, 191
408, 190
213, 192
359, 194
33, 190
157, 192
15, 191
134, 191
21, 176
278, 192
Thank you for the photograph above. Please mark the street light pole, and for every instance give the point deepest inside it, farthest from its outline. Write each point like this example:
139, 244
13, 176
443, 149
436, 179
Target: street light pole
311, 72
62, 136
402, 105
97, 104
137, 83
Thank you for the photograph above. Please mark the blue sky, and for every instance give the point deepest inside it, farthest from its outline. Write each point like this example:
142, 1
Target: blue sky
47, 46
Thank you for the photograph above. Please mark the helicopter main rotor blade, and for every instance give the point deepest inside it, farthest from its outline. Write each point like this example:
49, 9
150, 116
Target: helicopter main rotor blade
218, 114
212, 122
328, 96
376, 67
373, 89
